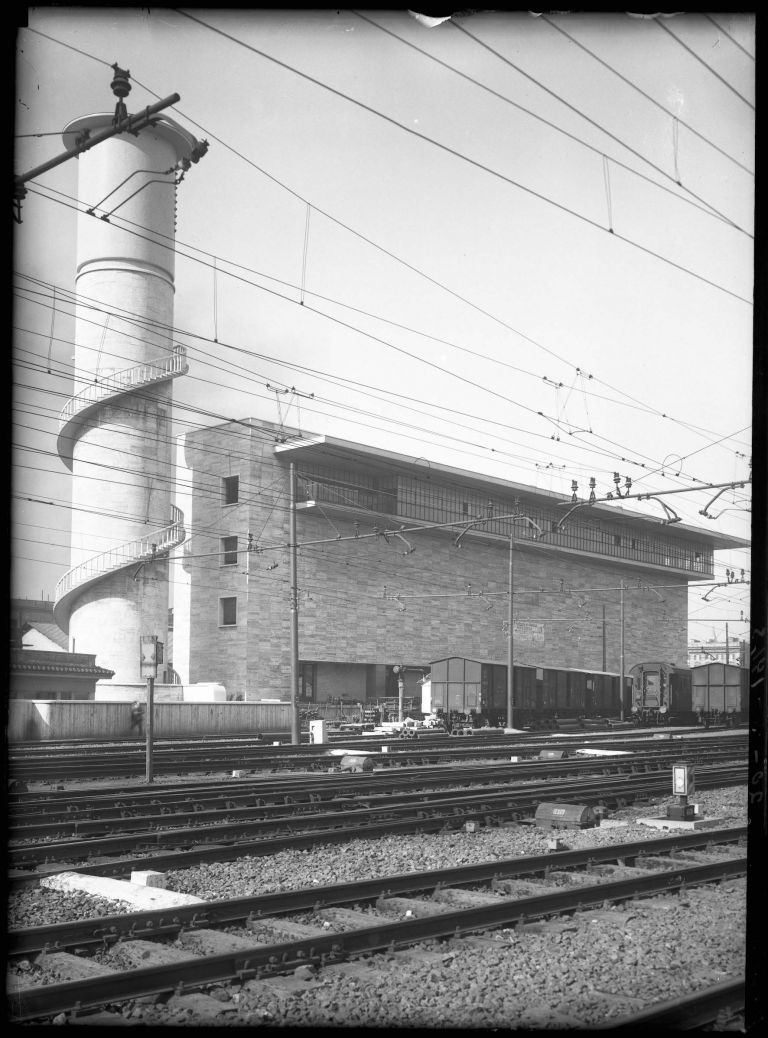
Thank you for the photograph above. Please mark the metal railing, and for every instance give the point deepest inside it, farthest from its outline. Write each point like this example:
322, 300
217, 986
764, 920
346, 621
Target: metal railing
142, 549
123, 381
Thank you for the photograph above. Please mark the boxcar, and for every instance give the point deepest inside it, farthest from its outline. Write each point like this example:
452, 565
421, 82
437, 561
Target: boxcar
541, 694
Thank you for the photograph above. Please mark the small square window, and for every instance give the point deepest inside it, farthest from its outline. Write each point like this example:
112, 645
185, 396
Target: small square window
230, 490
229, 551
228, 612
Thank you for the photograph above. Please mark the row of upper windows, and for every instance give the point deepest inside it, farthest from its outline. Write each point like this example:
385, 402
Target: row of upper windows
440, 503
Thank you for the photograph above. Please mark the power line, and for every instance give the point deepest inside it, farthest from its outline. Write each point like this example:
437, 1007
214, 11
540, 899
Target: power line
728, 35
346, 227
647, 96
473, 162
592, 122
413, 356
701, 61
708, 211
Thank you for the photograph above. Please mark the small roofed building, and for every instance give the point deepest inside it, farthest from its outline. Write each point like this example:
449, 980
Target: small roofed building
41, 667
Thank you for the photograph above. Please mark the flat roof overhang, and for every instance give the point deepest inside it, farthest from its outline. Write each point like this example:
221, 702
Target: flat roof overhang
318, 449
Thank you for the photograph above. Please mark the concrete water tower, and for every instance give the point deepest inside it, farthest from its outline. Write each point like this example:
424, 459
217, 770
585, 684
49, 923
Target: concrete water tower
115, 432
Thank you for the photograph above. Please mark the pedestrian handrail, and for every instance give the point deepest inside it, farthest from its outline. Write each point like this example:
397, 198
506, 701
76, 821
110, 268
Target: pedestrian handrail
151, 546
118, 382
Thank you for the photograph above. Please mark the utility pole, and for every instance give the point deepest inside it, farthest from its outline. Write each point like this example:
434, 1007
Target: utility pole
621, 647
727, 645
510, 645
150, 722
294, 595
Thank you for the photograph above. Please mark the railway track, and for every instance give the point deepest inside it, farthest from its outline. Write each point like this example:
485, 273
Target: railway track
39, 762
389, 913
110, 810
719, 1002
160, 842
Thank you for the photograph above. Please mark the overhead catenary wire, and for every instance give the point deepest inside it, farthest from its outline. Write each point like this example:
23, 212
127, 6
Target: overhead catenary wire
583, 115
697, 57
647, 96
571, 136
408, 353
474, 162
326, 214
727, 35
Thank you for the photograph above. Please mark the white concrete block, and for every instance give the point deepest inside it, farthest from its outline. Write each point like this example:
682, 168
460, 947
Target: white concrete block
118, 890
239, 774
149, 879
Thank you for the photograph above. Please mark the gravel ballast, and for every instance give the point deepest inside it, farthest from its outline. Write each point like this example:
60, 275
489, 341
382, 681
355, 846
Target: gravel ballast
566, 973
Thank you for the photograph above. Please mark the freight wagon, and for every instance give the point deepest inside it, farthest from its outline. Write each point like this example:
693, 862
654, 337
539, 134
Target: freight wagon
541, 694
663, 693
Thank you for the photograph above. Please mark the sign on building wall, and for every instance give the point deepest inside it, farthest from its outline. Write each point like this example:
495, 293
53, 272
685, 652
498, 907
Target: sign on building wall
528, 634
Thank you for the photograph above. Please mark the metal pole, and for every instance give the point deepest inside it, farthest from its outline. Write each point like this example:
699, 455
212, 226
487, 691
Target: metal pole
621, 649
605, 665
510, 646
132, 124
400, 689
150, 724
294, 593
727, 656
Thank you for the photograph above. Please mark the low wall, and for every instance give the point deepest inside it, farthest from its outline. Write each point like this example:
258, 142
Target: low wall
200, 692
37, 720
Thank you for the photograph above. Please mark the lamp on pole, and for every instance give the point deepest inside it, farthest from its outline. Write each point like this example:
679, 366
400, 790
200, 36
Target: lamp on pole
510, 621
294, 598
621, 648
510, 643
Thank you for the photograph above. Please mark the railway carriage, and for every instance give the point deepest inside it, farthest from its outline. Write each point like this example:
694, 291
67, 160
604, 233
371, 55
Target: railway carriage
542, 695
663, 693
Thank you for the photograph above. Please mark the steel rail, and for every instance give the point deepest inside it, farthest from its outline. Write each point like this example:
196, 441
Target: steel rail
327, 828
147, 924
266, 804
272, 960
52, 796
131, 763
688, 1012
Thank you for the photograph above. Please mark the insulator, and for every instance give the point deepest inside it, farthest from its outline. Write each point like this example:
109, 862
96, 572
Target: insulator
121, 86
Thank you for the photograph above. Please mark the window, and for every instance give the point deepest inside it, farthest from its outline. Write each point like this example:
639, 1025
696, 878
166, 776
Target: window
227, 612
617, 540
307, 681
230, 490
228, 551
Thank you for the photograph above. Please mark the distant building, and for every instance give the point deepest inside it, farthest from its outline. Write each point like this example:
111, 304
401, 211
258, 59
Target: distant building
371, 594
718, 652
40, 666
44, 674
26, 610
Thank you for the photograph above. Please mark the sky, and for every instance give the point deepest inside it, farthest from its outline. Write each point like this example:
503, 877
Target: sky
519, 245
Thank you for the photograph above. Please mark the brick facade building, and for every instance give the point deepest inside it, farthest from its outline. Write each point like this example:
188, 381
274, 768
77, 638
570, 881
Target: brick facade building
372, 591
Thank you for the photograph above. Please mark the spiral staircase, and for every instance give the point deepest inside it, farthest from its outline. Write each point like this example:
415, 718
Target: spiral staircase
151, 546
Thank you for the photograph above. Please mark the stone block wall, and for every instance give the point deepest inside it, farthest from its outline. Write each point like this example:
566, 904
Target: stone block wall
348, 589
